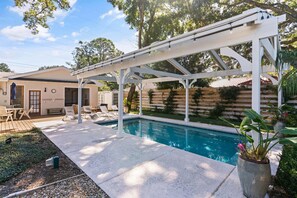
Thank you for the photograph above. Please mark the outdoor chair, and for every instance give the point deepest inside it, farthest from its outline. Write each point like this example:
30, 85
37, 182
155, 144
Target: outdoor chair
87, 109
69, 113
105, 112
5, 114
115, 109
25, 113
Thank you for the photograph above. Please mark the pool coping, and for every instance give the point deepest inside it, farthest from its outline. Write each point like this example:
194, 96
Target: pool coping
177, 122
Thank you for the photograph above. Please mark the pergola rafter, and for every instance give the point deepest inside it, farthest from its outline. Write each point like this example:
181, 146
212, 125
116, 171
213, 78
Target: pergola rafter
255, 26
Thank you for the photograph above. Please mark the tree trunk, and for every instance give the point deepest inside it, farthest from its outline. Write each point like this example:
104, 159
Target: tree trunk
130, 96
140, 30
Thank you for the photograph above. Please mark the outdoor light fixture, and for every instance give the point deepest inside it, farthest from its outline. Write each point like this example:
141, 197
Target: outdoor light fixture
45, 89
169, 47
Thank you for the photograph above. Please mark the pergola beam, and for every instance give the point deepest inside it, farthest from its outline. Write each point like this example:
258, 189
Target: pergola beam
178, 66
269, 50
222, 73
155, 72
244, 63
218, 59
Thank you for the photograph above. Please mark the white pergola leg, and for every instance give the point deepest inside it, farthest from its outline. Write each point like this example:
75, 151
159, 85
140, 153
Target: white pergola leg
80, 84
140, 99
187, 101
280, 91
185, 83
256, 82
120, 101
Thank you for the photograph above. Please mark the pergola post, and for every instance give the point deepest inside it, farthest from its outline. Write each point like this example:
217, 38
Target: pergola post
120, 100
187, 101
256, 82
80, 84
185, 83
140, 99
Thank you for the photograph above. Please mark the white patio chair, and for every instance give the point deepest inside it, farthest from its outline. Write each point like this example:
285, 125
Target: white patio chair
4, 113
115, 109
105, 112
87, 109
69, 113
25, 113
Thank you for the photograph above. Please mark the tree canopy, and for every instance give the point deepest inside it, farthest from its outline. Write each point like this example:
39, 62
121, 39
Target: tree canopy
39, 11
49, 67
4, 67
95, 51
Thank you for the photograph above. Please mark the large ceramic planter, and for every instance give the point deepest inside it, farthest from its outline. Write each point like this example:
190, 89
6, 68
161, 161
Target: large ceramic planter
254, 178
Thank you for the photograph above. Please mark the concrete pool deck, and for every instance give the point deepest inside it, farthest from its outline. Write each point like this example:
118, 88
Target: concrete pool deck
129, 166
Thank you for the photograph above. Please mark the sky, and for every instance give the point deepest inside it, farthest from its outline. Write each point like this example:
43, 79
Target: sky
86, 20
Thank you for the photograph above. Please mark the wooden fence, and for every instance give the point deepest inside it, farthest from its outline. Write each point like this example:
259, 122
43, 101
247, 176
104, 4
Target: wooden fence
208, 101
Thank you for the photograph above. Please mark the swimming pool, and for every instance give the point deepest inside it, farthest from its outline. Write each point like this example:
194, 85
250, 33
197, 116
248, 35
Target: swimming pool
216, 145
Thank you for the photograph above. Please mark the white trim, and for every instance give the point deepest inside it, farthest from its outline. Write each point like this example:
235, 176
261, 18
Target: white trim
37, 72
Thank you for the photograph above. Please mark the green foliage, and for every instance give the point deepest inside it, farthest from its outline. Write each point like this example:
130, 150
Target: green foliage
108, 86
256, 123
286, 175
95, 51
217, 111
229, 94
126, 102
49, 67
289, 80
150, 94
196, 97
26, 149
292, 118
282, 113
135, 95
169, 102
4, 67
40, 11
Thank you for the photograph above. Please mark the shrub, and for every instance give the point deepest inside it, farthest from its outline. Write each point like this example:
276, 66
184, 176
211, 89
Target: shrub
150, 95
169, 102
196, 96
229, 94
217, 111
286, 175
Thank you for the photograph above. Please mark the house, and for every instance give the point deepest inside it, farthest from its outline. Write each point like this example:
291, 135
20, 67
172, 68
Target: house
45, 90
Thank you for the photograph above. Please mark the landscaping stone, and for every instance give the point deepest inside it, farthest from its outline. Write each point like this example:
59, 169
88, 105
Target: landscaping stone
81, 186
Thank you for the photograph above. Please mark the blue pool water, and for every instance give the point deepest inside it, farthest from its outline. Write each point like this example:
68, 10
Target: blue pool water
216, 145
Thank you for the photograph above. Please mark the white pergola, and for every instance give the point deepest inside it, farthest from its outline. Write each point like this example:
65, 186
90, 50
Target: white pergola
254, 25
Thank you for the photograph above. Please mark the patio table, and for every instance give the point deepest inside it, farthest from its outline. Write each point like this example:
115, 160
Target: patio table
15, 110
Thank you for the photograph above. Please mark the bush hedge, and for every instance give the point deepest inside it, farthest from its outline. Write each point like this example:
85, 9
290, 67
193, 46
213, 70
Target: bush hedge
286, 175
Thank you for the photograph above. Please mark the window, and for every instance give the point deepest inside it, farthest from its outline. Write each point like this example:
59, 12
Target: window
71, 96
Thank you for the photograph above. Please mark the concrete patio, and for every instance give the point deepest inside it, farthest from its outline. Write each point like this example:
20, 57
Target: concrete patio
129, 166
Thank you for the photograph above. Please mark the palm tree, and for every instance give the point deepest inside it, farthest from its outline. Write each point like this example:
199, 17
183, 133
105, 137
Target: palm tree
289, 80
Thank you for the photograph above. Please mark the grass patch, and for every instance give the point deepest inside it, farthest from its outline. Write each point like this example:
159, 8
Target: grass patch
26, 149
213, 121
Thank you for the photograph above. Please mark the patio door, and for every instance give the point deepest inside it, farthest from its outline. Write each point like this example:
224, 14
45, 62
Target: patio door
35, 101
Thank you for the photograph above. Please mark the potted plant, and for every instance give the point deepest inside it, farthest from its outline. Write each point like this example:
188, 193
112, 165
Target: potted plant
253, 164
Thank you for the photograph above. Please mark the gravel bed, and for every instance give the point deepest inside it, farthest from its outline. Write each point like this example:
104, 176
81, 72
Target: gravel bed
81, 186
